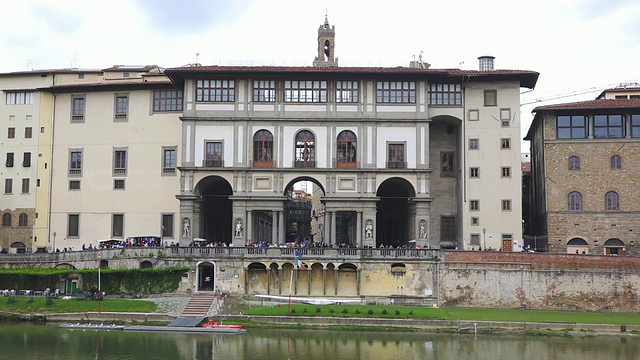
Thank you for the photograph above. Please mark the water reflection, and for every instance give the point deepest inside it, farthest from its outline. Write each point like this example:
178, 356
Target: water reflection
49, 342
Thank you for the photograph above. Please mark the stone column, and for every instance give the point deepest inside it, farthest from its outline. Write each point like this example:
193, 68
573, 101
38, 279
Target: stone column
249, 227
327, 228
281, 231
274, 227
359, 229
333, 227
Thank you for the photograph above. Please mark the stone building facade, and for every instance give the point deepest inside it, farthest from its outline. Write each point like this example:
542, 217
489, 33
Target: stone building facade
585, 168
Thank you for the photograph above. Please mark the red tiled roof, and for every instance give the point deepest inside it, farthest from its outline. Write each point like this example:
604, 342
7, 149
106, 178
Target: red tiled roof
130, 68
526, 78
592, 105
52, 71
108, 85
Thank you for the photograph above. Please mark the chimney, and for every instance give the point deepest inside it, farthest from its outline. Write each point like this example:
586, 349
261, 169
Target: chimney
486, 62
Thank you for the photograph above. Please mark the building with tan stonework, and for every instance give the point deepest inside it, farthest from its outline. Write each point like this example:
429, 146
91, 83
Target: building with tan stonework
585, 161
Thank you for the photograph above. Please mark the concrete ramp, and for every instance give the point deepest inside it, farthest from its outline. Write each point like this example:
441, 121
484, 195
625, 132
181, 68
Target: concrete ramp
191, 321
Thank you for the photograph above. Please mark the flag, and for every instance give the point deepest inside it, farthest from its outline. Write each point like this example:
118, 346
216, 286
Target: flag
296, 259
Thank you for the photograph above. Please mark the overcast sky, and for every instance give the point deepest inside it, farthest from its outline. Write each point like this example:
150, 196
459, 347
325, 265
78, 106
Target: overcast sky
576, 45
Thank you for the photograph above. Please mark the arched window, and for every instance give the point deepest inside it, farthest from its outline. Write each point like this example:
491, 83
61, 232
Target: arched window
575, 201
305, 149
616, 162
263, 149
611, 201
23, 219
6, 219
346, 149
574, 163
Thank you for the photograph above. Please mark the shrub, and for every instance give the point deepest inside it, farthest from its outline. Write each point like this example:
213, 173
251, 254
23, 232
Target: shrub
48, 302
411, 312
345, 311
370, 311
397, 312
331, 310
293, 311
357, 311
318, 309
384, 311
304, 310
11, 300
30, 300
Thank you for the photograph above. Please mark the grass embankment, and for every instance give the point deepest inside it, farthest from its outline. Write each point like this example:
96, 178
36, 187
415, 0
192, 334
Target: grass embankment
38, 305
465, 314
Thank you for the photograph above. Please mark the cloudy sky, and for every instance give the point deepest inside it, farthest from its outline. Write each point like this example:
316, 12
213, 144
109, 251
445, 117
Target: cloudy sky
578, 46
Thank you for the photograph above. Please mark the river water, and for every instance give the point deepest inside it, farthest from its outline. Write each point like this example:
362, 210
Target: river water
27, 341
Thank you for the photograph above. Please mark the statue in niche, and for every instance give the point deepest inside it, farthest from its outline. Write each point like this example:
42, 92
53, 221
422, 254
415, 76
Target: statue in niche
423, 230
238, 231
186, 227
368, 230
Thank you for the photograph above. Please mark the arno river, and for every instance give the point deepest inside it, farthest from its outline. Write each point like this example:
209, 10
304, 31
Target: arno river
25, 341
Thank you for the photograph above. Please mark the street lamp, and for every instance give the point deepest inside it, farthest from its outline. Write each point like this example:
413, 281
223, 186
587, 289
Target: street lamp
484, 238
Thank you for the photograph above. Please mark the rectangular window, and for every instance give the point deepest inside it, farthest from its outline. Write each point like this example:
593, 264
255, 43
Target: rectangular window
506, 205
305, 91
121, 107
25, 186
215, 91
474, 205
445, 94
74, 184
9, 162
346, 91
11, 133
8, 186
120, 162
474, 239
474, 115
505, 172
474, 172
73, 225
571, 127
491, 98
505, 143
395, 156
77, 109
635, 126
28, 132
167, 100
75, 162
448, 229
264, 91
398, 92
505, 117
608, 127
26, 159
213, 154
169, 160
474, 144
475, 221
118, 184
19, 98
117, 225
447, 164
167, 225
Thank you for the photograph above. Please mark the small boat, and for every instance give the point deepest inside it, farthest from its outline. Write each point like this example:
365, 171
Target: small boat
214, 325
90, 326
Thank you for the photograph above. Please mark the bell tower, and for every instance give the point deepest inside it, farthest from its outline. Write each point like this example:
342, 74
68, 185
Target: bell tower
326, 45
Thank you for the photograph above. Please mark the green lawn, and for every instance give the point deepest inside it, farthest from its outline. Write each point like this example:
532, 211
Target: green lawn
466, 314
24, 306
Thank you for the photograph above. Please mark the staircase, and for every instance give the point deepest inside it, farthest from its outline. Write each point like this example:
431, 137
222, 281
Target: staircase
199, 305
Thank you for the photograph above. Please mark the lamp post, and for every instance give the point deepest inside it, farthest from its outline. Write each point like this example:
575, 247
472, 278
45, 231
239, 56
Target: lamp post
54, 242
484, 238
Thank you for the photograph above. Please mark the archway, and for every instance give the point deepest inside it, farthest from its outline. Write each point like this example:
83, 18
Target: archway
614, 247
146, 264
17, 248
577, 246
304, 211
392, 218
216, 209
205, 278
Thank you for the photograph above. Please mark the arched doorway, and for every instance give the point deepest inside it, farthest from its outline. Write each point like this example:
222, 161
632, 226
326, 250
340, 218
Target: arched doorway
205, 278
17, 248
577, 246
216, 209
304, 211
392, 217
614, 247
